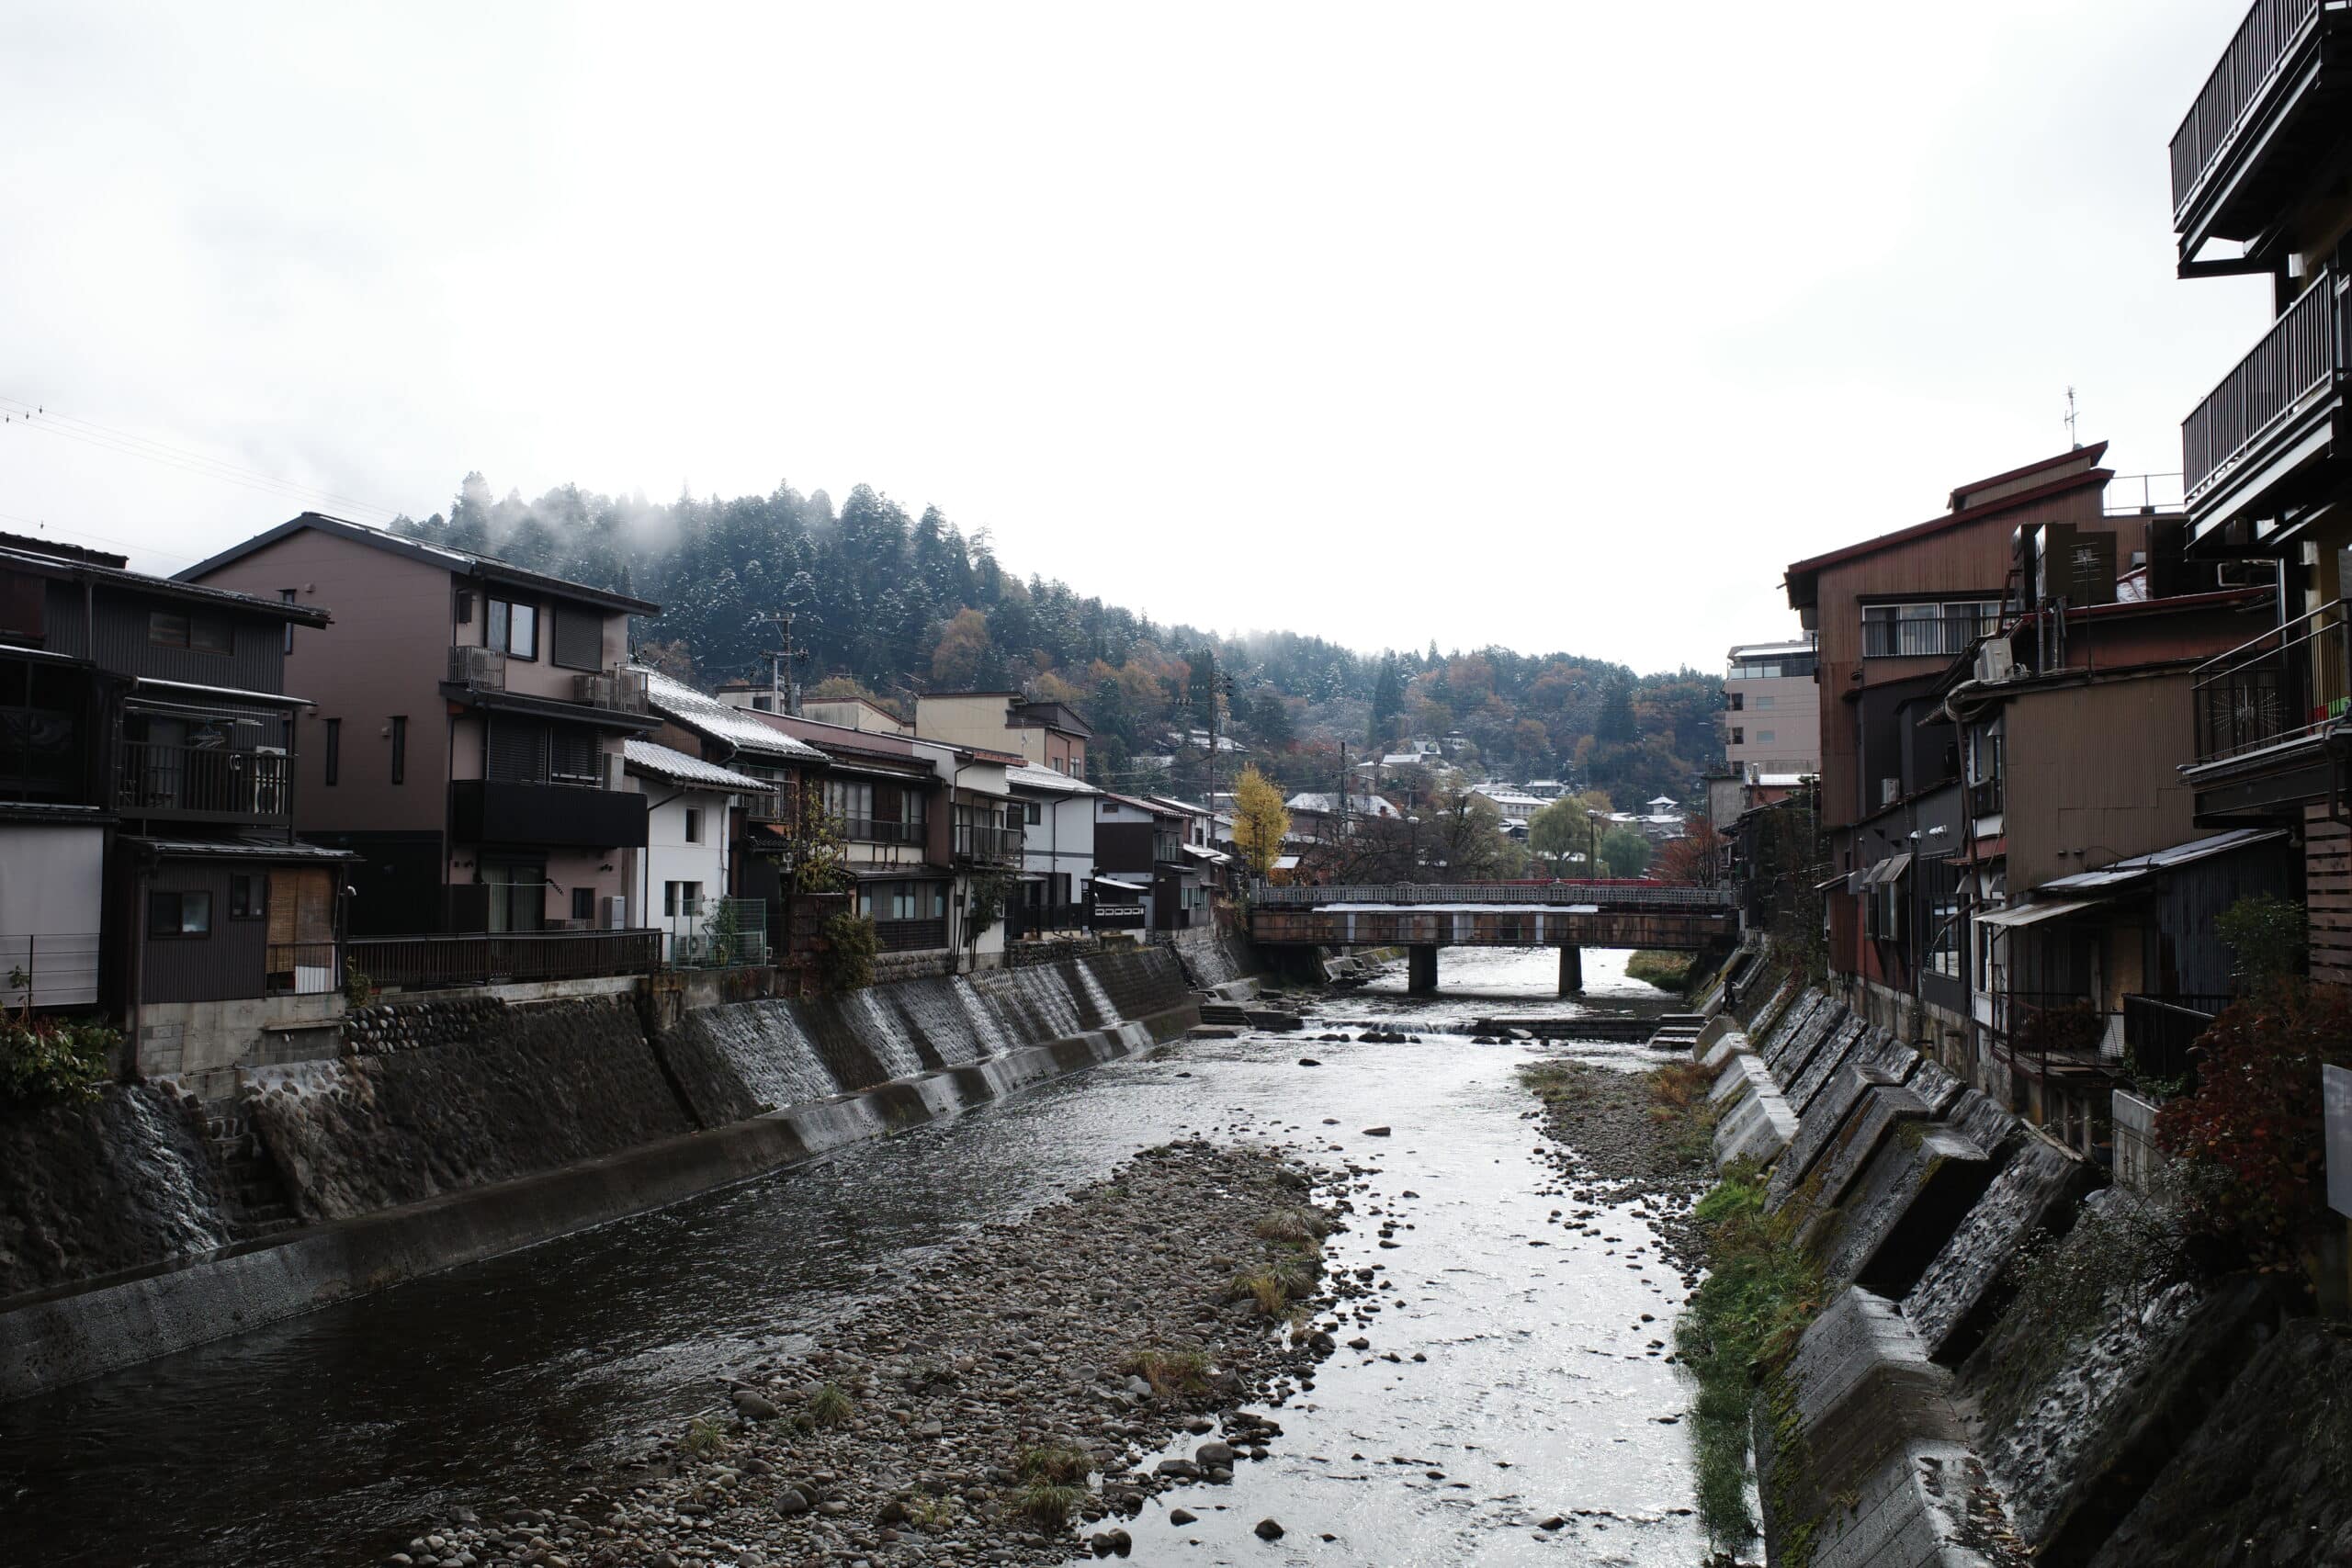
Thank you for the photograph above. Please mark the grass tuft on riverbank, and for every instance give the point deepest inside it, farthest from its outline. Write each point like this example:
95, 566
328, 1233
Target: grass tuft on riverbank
1667, 971
1741, 1324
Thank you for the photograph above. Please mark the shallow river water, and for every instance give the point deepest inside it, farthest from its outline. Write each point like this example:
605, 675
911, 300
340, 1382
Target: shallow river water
327, 1439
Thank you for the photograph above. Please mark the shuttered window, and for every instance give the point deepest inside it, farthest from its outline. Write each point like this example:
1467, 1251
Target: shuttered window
578, 641
572, 756
518, 750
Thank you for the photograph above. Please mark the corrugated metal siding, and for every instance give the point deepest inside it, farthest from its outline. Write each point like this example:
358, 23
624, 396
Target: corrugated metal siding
227, 964
258, 662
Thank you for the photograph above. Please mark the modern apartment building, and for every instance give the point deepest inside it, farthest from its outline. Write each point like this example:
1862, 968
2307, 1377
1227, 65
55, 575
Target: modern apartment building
1771, 710
1048, 735
465, 728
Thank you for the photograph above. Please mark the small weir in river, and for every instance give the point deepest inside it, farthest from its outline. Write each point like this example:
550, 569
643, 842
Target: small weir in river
325, 1439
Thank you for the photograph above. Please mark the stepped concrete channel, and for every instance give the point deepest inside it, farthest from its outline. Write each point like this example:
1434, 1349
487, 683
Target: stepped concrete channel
1921, 1423
1516, 1361
455, 1129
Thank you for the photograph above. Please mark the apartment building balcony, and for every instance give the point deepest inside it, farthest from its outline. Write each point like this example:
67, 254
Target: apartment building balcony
2276, 99
2261, 714
2275, 434
617, 698
203, 784
558, 815
1943, 635
985, 845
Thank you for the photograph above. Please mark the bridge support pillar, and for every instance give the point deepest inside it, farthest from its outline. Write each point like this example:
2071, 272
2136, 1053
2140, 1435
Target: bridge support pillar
1421, 971
1571, 970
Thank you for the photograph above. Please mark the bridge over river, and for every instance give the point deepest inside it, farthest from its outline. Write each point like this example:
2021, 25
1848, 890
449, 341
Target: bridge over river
1423, 916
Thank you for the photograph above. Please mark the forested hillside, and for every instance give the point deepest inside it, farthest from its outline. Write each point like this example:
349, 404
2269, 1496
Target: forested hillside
897, 604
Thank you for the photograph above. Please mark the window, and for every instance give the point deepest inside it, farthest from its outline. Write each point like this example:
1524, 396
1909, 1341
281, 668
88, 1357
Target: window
1060, 766
1763, 701
1940, 878
1766, 736
400, 748
694, 824
669, 900
903, 900
179, 914
1736, 701
518, 895
286, 595
205, 634
584, 905
1739, 735
333, 752
851, 800
1937, 629
248, 897
577, 636
1032, 812
513, 629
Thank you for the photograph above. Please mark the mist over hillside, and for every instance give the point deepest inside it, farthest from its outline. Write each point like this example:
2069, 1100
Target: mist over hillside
890, 603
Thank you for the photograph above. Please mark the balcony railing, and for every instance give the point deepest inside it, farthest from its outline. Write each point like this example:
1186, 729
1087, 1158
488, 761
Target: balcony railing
977, 842
876, 830
2269, 31
424, 963
484, 668
909, 936
622, 691
2303, 350
718, 933
1040, 920
2159, 1032
2286, 684
1937, 637
60, 968
156, 778
303, 968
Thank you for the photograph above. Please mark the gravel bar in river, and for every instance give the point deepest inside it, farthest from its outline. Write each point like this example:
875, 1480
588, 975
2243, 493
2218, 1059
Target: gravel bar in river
1062, 1348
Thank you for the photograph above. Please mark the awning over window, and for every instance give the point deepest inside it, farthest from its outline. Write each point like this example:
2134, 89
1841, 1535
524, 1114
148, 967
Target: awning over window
1891, 869
2035, 914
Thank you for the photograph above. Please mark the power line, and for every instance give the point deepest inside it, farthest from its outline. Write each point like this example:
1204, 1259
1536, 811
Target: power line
35, 416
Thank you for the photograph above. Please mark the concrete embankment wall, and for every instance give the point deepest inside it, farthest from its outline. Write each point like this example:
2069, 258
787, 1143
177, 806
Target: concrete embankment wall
456, 1130
1921, 1420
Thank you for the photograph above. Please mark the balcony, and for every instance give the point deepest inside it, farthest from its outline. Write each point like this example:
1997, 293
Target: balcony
478, 669
425, 962
877, 830
2277, 412
2159, 1032
2272, 102
2281, 687
201, 784
553, 816
986, 845
909, 936
615, 691
1023, 921
718, 933
1927, 637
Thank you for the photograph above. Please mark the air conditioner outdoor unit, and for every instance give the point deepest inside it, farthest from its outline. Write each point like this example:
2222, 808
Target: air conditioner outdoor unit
615, 912
1996, 661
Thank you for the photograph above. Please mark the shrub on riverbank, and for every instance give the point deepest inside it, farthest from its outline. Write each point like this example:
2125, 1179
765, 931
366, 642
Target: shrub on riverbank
1679, 1106
49, 1061
1667, 971
1761, 1291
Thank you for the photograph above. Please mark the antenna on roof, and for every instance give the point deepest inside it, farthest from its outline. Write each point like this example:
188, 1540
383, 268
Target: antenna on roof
2071, 416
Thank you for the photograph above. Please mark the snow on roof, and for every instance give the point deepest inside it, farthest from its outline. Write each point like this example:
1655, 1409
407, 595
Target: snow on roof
1370, 805
662, 761
1031, 776
706, 715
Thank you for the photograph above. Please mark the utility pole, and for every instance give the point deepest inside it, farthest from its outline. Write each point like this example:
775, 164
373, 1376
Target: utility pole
784, 688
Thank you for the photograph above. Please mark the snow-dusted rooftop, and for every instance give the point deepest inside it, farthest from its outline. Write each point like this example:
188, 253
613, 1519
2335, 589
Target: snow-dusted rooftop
706, 715
662, 762
1031, 776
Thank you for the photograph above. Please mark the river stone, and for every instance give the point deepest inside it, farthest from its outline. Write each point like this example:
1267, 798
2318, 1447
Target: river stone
1268, 1530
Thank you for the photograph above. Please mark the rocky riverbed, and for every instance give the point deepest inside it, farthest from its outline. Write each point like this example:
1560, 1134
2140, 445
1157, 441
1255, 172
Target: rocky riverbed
996, 1406
1635, 1139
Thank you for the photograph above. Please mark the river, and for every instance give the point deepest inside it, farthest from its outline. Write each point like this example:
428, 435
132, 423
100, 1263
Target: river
326, 1439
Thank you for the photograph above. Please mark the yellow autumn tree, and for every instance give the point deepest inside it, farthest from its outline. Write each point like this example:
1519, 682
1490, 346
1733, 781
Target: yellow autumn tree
1258, 821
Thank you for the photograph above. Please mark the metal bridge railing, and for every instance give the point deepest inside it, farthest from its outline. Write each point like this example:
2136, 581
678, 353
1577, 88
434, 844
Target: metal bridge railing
1605, 895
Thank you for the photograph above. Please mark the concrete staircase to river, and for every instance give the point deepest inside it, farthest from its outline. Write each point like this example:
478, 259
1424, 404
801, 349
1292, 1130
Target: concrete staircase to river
257, 1199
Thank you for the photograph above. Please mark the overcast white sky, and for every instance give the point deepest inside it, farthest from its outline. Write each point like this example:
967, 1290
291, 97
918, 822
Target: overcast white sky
1563, 326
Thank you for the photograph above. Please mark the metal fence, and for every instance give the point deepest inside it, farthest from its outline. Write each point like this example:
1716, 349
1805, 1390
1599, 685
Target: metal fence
487, 958
718, 933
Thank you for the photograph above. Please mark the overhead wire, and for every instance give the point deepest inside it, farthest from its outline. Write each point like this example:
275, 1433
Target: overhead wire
16, 411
